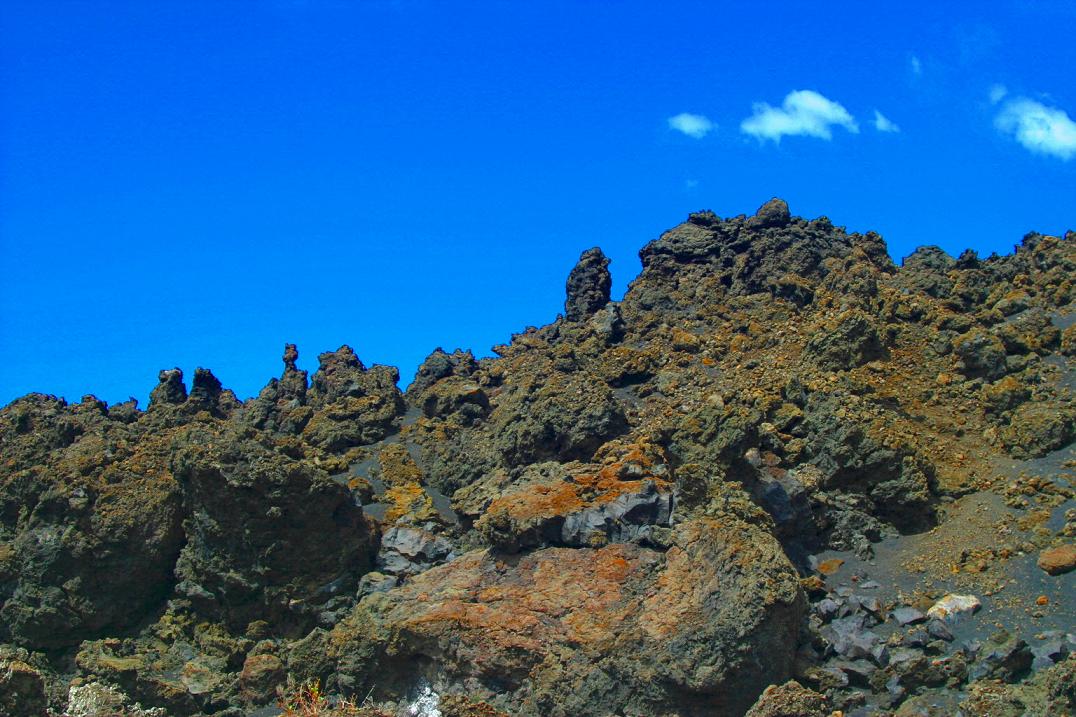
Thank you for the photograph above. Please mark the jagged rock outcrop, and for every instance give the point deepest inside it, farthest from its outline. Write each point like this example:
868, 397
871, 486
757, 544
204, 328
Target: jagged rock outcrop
281, 406
352, 405
170, 388
589, 285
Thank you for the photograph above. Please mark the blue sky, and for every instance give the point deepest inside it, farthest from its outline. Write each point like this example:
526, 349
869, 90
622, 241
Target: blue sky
195, 184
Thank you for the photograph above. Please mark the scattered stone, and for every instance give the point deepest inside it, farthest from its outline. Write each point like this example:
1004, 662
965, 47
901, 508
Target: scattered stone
880, 654
908, 616
1049, 652
936, 628
916, 638
953, 605
859, 671
827, 608
849, 639
871, 604
789, 700
1058, 560
1007, 660
894, 688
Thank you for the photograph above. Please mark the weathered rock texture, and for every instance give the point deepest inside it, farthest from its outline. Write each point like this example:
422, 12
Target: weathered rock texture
610, 516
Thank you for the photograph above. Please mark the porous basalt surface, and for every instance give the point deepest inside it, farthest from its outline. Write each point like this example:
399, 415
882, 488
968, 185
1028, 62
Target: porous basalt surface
641, 508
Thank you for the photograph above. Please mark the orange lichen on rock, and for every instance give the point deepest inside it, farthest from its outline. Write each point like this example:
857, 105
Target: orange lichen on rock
555, 616
408, 500
629, 474
397, 466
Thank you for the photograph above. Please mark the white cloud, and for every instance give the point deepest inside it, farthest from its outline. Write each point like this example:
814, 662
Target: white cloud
883, 123
1041, 129
803, 112
697, 126
917, 66
997, 94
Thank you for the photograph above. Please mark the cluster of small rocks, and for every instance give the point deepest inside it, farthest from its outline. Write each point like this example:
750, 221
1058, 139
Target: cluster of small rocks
868, 653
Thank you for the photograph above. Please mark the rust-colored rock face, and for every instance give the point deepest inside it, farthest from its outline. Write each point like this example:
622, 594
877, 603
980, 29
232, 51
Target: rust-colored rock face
619, 513
675, 632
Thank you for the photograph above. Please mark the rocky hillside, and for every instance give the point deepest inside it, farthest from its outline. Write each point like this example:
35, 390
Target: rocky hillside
783, 476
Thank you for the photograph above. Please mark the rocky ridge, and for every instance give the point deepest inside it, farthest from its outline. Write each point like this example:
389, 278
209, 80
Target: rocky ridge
738, 490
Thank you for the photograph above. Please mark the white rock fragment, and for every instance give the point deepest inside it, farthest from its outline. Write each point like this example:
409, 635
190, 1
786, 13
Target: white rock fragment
427, 704
94, 699
952, 605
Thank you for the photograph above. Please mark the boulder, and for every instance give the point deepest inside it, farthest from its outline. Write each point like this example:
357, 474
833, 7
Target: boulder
850, 341
566, 417
773, 213
982, 355
703, 628
789, 700
22, 690
1059, 559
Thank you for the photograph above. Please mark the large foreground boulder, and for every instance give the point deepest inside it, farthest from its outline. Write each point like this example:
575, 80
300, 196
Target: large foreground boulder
700, 629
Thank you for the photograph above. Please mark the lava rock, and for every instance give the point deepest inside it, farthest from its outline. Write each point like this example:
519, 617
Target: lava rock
982, 355
169, 390
685, 625
1008, 661
908, 616
588, 287
263, 525
773, 213
789, 700
22, 690
851, 341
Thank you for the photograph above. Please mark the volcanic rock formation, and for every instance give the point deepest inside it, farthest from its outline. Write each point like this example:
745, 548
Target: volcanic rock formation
739, 490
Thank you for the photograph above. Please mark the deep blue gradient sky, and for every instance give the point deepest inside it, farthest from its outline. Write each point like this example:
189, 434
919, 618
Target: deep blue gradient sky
196, 183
